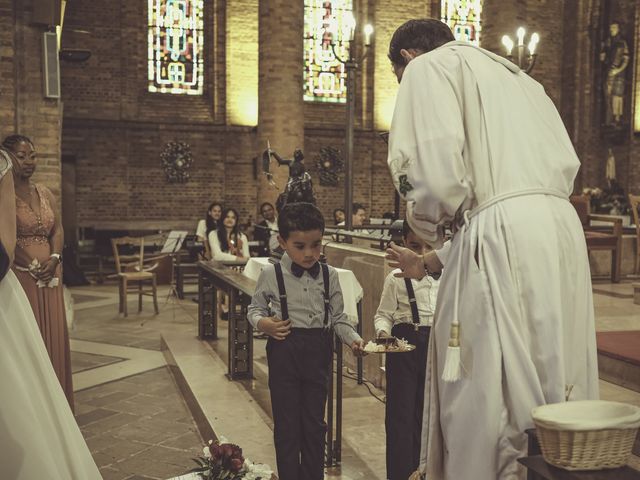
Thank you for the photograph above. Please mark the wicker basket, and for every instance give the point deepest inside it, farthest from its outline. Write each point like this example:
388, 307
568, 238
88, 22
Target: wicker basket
586, 435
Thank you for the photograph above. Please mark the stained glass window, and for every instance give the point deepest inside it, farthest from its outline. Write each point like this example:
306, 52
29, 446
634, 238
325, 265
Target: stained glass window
463, 17
326, 22
175, 46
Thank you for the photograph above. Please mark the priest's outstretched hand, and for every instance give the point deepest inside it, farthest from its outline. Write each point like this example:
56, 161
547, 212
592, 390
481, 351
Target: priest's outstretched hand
412, 264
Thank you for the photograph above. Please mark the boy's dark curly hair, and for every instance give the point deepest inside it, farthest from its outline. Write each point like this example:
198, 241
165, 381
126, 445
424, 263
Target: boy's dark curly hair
299, 217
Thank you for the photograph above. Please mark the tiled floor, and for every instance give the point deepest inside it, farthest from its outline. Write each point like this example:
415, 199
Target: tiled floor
137, 424
129, 408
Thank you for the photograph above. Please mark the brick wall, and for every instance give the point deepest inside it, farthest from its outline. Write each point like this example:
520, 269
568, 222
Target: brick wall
7, 69
583, 89
115, 129
501, 17
23, 108
569, 69
120, 176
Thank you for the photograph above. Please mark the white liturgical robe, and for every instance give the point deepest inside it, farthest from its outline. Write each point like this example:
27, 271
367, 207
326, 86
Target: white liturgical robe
471, 132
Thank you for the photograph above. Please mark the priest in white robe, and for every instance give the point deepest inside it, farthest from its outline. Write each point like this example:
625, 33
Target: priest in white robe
477, 146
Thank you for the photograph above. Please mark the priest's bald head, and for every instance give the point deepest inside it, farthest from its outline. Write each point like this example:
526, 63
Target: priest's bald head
414, 38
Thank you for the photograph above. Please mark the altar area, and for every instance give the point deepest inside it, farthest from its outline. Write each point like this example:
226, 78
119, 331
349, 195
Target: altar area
150, 393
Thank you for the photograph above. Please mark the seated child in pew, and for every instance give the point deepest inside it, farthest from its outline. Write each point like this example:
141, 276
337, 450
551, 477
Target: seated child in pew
406, 311
298, 303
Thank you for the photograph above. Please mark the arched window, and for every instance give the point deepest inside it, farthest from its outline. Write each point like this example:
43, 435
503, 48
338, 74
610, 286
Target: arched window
463, 17
175, 46
326, 22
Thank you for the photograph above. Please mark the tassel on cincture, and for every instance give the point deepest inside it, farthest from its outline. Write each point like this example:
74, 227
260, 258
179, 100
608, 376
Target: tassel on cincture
452, 366
417, 476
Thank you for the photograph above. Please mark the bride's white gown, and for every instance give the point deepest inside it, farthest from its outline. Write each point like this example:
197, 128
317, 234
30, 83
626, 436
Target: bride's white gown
39, 437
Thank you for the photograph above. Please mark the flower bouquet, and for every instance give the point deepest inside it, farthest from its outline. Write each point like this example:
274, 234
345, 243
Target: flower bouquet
224, 461
34, 269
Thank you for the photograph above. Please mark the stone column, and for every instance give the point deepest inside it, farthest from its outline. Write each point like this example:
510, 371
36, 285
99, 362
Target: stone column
280, 105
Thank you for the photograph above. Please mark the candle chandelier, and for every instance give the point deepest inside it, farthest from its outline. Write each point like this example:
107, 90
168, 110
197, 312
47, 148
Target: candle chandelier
525, 55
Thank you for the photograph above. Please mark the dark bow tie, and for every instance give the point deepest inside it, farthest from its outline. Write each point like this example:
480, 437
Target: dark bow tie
297, 270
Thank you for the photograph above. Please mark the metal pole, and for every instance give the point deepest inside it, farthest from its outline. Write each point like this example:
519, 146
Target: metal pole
396, 204
520, 52
338, 441
351, 67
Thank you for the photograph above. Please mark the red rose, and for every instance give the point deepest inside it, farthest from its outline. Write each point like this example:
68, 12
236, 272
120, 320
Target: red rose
216, 451
236, 465
237, 451
227, 450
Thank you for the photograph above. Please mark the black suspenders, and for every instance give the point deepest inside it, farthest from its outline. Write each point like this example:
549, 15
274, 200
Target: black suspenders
283, 293
284, 307
412, 302
325, 277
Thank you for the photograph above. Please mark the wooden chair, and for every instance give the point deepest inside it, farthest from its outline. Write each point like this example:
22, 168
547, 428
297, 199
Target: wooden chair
132, 275
634, 201
598, 239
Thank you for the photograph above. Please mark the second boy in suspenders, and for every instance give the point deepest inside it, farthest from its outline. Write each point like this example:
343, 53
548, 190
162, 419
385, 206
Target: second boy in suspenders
406, 311
298, 303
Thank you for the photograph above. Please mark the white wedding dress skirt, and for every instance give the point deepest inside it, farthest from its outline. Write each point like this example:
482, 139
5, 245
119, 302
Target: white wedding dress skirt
39, 437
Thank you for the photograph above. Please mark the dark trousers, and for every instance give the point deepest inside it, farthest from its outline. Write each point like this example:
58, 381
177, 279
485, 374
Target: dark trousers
298, 382
405, 373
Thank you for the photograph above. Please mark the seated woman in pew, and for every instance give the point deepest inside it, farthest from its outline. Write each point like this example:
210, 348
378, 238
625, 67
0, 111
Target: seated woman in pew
227, 242
208, 225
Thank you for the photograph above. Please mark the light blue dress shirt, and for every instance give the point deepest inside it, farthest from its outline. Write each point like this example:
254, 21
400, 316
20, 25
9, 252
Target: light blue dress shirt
305, 300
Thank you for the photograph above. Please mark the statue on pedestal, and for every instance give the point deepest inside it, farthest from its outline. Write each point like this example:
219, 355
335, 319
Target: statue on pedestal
613, 200
299, 187
610, 168
614, 55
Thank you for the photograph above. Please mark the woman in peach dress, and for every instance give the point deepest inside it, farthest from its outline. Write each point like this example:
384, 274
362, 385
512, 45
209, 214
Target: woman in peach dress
37, 261
39, 438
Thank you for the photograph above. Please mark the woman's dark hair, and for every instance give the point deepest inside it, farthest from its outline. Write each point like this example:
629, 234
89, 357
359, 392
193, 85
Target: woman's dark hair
336, 211
222, 231
211, 223
13, 140
424, 34
299, 217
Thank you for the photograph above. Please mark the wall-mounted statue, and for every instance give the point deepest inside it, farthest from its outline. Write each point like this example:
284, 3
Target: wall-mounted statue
299, 187
614, 56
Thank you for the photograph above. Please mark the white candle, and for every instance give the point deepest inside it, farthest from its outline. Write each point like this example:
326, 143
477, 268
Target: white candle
348, 26
533, 43
520, 34
368, 30
508, 44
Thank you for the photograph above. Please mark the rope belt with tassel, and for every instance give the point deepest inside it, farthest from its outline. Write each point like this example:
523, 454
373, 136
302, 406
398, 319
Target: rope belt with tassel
452, 365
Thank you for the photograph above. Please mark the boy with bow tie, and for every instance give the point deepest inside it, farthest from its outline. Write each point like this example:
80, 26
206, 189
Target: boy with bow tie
406, 311
298, 303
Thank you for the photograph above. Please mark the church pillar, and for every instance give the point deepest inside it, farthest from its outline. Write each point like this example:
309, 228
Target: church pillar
280, 104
